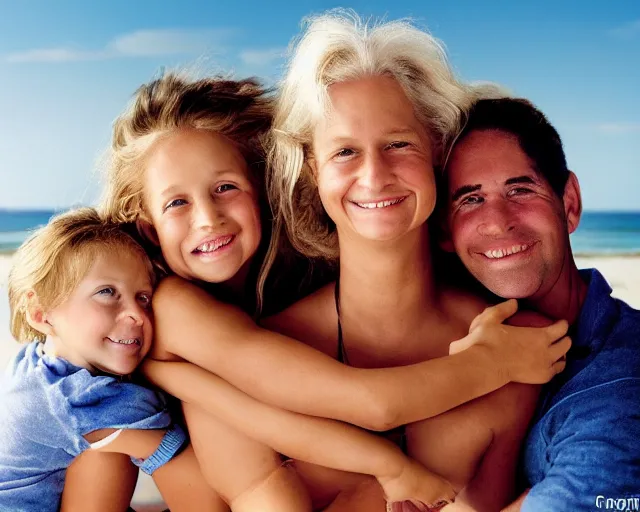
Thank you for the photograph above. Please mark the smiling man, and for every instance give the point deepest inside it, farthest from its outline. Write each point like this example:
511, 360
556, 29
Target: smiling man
512, 203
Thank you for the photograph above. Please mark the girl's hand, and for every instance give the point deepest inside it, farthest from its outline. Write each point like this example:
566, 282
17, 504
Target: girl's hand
531, 355
416, 488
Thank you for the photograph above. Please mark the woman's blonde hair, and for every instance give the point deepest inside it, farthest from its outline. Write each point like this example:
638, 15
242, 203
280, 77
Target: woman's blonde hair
51, 263
338, 47
241, 110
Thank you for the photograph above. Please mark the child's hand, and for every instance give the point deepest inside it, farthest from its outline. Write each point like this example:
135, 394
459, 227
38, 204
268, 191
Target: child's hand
416, 488
531, 355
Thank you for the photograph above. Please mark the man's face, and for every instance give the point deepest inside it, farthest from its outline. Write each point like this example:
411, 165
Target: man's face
505, 222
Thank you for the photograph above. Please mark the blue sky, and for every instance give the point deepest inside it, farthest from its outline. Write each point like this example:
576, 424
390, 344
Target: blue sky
68, 68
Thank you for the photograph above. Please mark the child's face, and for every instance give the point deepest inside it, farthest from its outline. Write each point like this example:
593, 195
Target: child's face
105, 324
202, 205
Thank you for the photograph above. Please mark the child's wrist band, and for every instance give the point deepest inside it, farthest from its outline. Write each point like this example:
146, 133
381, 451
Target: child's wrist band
172, 441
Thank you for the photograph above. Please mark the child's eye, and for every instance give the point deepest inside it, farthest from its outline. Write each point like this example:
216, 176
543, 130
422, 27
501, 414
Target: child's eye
108, 291
175, 202
145, 300
225, 188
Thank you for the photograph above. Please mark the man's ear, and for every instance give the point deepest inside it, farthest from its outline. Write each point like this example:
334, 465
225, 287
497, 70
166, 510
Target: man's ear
572, 201
36, 315
147, 231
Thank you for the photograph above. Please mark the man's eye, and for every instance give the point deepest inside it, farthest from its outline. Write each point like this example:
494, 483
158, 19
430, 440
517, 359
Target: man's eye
520, 191
174, 203
471, 200
225, 188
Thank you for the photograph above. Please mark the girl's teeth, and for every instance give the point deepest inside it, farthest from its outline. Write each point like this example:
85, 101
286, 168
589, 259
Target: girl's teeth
212, 246
127, 342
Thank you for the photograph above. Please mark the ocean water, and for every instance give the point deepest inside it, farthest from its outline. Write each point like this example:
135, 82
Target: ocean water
598, 233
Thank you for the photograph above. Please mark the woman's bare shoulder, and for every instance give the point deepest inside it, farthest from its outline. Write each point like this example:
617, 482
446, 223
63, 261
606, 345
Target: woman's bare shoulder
312, 320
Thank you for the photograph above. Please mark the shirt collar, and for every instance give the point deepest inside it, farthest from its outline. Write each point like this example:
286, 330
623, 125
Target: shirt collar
599, 310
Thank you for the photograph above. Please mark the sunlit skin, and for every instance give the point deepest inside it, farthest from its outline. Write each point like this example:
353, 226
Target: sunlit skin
368, 154
111, 306
506, 224
202, 205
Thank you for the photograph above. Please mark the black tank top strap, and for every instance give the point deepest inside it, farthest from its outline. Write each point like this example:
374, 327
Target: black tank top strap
342, 353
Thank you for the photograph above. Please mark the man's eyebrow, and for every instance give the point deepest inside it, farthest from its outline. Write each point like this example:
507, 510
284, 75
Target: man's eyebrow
520, 179
465, 189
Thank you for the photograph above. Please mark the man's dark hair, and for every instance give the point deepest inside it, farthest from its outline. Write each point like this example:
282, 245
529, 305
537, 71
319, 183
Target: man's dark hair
537, 138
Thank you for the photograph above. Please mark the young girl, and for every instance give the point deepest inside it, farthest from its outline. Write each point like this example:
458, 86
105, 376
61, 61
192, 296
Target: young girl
187, 167
81, 288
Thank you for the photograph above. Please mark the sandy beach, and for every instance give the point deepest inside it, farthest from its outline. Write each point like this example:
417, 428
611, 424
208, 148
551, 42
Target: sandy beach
623, 274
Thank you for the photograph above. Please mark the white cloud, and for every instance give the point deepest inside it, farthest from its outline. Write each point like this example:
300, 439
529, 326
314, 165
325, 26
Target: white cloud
54, 55
628, 30
620, 127
141, 43
262, 57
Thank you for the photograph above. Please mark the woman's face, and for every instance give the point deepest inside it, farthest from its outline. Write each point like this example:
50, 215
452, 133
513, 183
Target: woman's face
372, 161
203, 205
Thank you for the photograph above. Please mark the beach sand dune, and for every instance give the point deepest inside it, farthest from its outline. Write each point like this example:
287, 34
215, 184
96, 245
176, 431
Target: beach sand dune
623, 273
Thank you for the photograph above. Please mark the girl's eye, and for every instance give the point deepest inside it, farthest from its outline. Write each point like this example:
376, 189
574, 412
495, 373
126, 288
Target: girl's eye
345, 153
108, 291
225, 188
145, 300
175, 202
398, 145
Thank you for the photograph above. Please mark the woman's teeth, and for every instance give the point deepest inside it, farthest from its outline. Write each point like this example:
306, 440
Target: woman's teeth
380, 204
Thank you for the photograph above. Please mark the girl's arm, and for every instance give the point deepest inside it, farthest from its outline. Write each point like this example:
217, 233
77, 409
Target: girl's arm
180, 480
281, 371
316, 440
99, 482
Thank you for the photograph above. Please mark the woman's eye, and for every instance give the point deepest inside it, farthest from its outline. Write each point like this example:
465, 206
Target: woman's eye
398, 145
345, 153
108, 291
225, 188
174, 203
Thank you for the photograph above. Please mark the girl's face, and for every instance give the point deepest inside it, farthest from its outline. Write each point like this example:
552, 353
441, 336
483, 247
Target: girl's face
105, 324
372, 161
202, 205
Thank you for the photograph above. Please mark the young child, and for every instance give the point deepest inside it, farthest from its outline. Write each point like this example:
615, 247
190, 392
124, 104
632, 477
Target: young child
187, 167
80, 294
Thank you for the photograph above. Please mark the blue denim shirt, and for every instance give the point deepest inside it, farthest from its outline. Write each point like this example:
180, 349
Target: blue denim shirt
47, 405
583, 451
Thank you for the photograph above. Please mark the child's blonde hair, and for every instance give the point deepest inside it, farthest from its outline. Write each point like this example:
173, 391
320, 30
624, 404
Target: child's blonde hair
241, 110
51, 263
